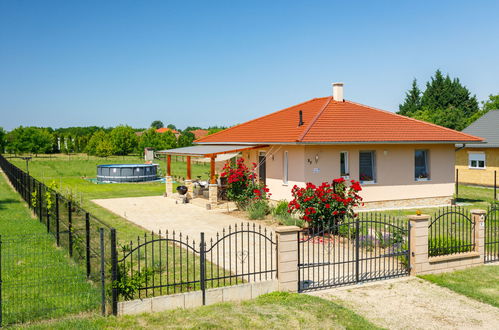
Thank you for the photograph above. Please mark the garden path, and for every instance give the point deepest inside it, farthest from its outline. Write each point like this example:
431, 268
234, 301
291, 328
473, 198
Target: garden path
413, 303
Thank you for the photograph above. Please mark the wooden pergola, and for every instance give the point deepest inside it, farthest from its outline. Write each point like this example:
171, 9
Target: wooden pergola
205, 151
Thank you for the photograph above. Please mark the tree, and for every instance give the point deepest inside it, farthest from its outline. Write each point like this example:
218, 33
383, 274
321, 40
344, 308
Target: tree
445, 102
491, 104
157, 124
29, 139
185, 139
158, 141
3, 140
215, 129
95, 141
123, 140
104, 148
412, 101
171, 126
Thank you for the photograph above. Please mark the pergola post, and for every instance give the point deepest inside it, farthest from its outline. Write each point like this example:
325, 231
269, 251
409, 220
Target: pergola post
168, 178
188, 180
213, 187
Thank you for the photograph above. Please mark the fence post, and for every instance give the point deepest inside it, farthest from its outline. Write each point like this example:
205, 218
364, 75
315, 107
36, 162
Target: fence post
478, 217
202, 275
418, 242
70, 228
287, 258
30, 188
1, 306
102, 272
495, 185
40, 215
87, 236
114, 272
357, 252
457, 184
57, 236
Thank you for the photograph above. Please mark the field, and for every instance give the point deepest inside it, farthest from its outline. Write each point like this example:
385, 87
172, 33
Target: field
39, 280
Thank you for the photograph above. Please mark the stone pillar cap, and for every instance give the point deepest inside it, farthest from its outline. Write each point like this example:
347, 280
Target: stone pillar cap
421, 217
287, 229
478, 211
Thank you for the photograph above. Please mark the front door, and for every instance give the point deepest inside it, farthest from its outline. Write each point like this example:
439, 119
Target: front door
262, 169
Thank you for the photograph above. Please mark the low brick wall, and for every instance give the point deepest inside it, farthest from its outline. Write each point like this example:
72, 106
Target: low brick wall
194, 299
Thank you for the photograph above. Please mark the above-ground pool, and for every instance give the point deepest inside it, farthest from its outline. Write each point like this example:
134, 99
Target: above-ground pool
127, 172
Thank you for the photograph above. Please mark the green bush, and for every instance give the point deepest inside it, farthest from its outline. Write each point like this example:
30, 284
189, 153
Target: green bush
442, 246
258, 209
280, 209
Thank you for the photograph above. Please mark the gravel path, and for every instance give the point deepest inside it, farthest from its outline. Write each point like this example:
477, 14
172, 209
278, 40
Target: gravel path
412, 303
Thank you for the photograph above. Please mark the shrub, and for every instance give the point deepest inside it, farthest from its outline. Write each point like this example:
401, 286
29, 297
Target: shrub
281, 209
327, 204
258, 209
449, 245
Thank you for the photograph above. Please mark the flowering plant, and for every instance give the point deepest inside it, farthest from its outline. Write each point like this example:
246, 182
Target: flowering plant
242, 186
327, 204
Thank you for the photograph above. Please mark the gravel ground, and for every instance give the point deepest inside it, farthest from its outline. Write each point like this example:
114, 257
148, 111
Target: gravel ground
412, 303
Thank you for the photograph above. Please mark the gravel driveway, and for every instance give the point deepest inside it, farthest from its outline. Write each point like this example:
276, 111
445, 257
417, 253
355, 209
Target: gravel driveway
413, 303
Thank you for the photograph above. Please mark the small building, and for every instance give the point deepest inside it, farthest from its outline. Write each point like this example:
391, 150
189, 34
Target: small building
478, 163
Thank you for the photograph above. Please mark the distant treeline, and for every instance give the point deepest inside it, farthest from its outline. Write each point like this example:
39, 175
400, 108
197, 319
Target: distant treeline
94, 140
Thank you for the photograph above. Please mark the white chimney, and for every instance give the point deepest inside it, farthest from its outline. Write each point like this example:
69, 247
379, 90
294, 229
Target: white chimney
338, 91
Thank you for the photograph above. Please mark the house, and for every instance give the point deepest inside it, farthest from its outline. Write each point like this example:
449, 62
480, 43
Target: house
199, 133
478, 163
166, 129
399, 161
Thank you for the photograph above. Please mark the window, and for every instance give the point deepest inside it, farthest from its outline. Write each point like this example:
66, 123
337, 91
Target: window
367, 171
476, 160
285, 168
421, 170
344, 171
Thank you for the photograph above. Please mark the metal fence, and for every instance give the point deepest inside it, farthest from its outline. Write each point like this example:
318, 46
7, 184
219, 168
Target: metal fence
451, 231
492, 233
369, 247
84, 238
169, 262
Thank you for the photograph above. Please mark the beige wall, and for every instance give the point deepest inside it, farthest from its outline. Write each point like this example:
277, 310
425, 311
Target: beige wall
394, 169
482, 177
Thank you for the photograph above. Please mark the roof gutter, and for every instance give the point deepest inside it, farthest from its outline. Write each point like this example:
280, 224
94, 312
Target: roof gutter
340, 143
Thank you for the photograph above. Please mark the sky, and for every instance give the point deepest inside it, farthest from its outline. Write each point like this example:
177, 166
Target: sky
203, 63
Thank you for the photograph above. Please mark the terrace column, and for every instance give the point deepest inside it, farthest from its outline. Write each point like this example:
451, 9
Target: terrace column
287, 258
213, 187
188, 180
169, 179
478, 217
419, 242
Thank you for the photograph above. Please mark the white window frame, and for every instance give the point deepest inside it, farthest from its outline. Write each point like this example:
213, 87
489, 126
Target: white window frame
477, 157
373, 181
427, 163
347, 169
285, 168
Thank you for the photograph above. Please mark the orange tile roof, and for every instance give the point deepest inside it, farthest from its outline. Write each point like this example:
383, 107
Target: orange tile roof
166, 129
199, 133
330, 121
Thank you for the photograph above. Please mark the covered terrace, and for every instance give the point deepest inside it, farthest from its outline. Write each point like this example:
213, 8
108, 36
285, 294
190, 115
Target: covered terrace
202, 151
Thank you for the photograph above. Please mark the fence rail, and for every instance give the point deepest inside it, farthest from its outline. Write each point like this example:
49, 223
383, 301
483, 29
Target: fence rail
451, 231
169, 262
83, 237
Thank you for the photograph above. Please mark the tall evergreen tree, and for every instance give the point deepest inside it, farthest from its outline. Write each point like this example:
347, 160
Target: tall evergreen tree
412, 102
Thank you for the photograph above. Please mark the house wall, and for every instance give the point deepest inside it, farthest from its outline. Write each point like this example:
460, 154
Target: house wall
482, 177
394, 171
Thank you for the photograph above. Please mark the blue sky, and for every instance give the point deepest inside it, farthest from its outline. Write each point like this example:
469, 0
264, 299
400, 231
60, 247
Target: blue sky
72, 63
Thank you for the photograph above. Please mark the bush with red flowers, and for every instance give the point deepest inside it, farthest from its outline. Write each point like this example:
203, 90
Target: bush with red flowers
242, 186
327, 204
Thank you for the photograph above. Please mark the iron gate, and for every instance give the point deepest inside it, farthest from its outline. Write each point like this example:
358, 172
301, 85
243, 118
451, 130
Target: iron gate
492, 233
369, 247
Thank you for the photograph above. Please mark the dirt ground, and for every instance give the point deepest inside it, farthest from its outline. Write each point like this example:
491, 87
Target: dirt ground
412, 303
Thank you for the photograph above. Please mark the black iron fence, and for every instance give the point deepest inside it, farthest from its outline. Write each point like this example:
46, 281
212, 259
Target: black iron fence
83, 238
451, 230
169, 262
369, 247
492, 233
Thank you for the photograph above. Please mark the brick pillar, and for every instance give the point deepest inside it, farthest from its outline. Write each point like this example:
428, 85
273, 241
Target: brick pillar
188, 184
478, 217
419, 242
169, 186
287, 258
213, 194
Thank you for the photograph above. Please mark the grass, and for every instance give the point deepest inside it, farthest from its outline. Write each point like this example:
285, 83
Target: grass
272, 311
479, 283
39, 280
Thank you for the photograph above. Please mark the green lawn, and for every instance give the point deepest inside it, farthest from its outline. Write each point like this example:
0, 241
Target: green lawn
480, 283
272, 311
39, 280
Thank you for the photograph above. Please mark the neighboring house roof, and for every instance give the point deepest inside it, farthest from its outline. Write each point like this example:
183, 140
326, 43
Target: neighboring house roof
166, 129
199, 133
487, 127
335, 122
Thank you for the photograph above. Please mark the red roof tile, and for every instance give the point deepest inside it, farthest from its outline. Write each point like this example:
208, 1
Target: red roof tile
166, 129
326, 120
199, 133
